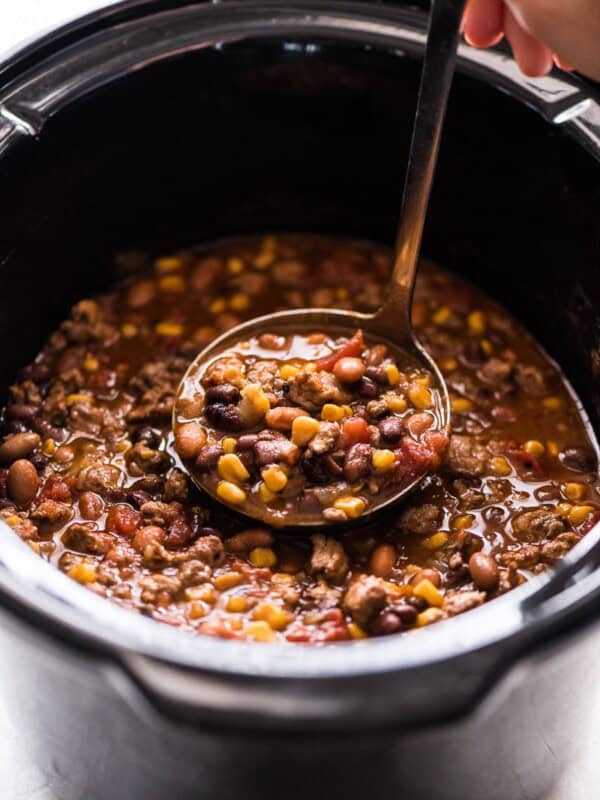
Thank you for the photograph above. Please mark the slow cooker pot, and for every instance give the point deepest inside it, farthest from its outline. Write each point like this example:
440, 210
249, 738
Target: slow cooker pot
153, 125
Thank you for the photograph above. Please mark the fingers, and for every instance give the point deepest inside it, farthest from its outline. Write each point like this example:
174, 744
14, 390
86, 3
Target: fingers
483, 22
533, 57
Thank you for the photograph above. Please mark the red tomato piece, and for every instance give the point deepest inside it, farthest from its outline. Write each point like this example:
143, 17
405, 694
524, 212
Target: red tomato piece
355, 430
353, 347
123, 520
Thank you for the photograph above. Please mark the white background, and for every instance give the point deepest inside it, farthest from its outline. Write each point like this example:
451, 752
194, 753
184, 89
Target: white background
20, 21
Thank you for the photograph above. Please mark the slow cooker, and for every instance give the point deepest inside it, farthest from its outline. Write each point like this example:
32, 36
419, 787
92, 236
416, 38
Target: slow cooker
152, 125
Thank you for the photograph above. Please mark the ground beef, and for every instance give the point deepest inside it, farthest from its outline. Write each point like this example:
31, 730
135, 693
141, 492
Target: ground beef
176, 486
458, 602
159, 590
540, 523
495, 371
328, 559
52, 512
85, 539
465, 456
468, 493
326, 438
531, 380
422, 520
311, 390
525, 556
99, 478
365, 598
559, 547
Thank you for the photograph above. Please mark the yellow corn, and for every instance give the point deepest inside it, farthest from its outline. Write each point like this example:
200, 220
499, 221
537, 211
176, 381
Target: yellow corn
281, 578
332, 413
260, 631
352, 506
396, 403
579, 514
236, 603
574, 491
552, 403
230, 468
275, 478
276, 618
564, 509
168, 264
441, 316
49, 447
355, 631
429, 592
288, 371
383, 460
171, 283
169, 328
35, 546
196, 609
487, 347
229, 444
205, 593
235, 265
420, 396
83, 572
552, 448
462, 522
423, 380
257, 397
90, 364
13, 520
239, 302
436, 541
477, 322
265, 494
448, 364
217, 306
204, 333
230, 493
71, 399
129, 330
342, 293
310, 366
500, 466
263, 557
347, 411
534, 448
460, 405
303, 430
429, 616
392, 374
228, 580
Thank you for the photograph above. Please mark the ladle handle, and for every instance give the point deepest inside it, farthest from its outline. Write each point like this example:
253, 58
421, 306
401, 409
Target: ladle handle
393, 318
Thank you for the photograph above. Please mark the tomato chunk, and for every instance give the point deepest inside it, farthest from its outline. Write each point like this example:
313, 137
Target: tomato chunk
353, 347
355, 430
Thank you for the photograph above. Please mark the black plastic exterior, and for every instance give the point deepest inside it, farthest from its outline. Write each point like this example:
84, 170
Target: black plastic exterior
242, 116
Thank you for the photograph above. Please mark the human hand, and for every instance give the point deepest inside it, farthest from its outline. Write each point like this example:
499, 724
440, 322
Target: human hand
540, 32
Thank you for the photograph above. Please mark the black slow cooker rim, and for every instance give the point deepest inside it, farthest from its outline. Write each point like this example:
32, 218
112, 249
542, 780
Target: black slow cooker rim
33, 587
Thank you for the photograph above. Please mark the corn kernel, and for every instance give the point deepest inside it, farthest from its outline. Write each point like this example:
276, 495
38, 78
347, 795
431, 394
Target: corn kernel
448, 364
260, 631
35, 546
579, 514
229, 444
420, 397
383, 460
275, 478
423, 380
49, 447
172, 283
563, 509
303, 430
477, 322
264, 260
235, 265
168, 264
436, 541
462, 522
217, 306
441, 316
461, 405
263, 557
310, 366
235, 623
169, 328
196, 610
236, 603
392, 374
348, 412
486, 346
204, 592
552, 403
90, 364
276, 618
534, 448
228, 580
429, 592
239, 302
13, 520
355, 631
129, 330
230, 493
230, 468
332, 413
342, 293
288, 371
429, 616
500, 466
352, 506
552, 448
574, 491
204, 333
281, 578
83, 573
395, 591
257, 397
265, 494
71, 399
396, 403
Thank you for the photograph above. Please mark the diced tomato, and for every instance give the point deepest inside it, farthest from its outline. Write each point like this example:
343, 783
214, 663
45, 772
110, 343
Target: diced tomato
414, 457
355, 430
123, 520
57, 488
353, 347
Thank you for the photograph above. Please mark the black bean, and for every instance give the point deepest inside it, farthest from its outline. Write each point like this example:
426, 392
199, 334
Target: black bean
367, 388
148, 435
377, 374
418, 603
332, 465
208, 457
44, 428
137, 498
196, 518
357, 463
224, 394
579, 459
39, 460
38, 373
14, 426
406, 613
316, 469
391, 428
225, 417
457, 577
386, 623
20, 411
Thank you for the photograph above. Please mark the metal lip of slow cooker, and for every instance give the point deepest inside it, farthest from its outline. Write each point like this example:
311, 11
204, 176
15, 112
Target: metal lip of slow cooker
36, 588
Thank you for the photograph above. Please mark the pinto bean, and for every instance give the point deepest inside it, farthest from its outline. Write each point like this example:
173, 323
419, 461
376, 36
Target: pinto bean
140, 294
349, 369
431, 575
208, 457
22, 482
190, 438
282, 417
484, 571
148, 535
18, 445
382, 560
419, 423
21, 411
245, 541
271, 341
391, 428
91, 505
